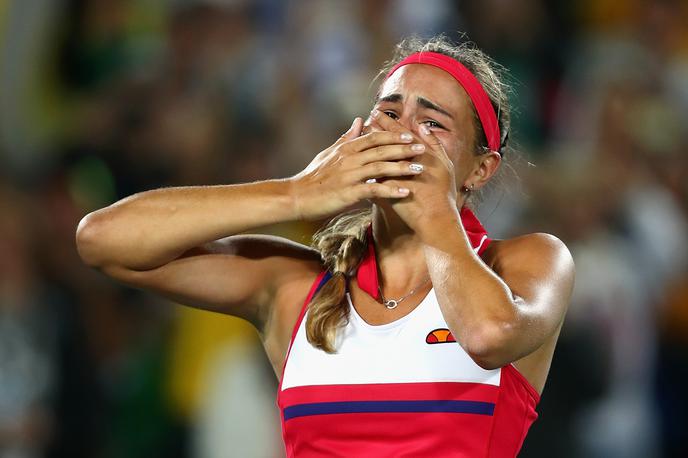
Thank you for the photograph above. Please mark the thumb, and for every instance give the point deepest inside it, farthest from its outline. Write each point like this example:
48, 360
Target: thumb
432, 141
353, 132
429, 137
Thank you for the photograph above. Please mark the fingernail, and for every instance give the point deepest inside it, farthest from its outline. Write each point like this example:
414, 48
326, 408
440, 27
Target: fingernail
406, 137
403, 191
375, 113
425, 130
416, 167
419, 148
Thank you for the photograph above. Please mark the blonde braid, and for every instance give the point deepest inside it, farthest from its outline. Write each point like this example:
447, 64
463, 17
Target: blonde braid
342, 244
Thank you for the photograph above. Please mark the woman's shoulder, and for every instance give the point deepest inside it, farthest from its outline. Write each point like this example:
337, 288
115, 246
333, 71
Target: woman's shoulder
537, 249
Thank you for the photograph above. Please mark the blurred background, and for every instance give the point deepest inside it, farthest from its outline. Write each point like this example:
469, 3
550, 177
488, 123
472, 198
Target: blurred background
100, 99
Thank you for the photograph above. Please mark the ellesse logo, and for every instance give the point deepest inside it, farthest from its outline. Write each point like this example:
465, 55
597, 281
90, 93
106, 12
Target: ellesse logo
439, 335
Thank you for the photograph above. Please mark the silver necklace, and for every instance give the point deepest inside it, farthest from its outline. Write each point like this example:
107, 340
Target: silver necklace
392, 303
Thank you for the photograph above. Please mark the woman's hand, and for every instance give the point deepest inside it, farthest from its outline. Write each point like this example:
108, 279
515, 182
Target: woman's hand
433, 195
337, 178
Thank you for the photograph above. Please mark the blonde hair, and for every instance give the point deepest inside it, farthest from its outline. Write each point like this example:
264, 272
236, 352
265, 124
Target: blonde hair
342, 241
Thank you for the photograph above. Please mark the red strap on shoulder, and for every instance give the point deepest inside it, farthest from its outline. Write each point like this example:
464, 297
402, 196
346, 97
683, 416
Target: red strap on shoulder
367, 275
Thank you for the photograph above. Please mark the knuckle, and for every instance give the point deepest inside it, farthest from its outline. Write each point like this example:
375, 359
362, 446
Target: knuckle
376, 150
388, 137
363, 143
401, 150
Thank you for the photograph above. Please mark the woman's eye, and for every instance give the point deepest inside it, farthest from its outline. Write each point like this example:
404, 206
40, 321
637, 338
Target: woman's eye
431, 123
391, 114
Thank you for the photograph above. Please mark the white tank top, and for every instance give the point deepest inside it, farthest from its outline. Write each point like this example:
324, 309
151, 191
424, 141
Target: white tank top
397, 352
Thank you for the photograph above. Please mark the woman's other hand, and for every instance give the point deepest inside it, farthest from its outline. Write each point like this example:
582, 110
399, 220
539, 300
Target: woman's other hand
339, 177
433, 194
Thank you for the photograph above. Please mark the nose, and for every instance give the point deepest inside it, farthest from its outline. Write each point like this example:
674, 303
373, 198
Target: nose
408, 119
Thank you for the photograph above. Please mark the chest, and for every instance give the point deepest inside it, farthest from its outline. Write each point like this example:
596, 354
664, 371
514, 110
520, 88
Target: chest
417, 347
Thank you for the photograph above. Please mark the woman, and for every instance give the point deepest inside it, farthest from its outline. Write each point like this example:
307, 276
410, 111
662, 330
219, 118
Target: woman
405, 331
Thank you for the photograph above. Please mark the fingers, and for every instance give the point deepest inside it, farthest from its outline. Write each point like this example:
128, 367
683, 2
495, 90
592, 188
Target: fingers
353, 132
383, 169
387, 123
379, 138
436, 148
387, 190
389, 153
430, 138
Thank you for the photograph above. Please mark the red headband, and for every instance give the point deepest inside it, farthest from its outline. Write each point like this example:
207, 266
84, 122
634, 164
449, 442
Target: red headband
471, 85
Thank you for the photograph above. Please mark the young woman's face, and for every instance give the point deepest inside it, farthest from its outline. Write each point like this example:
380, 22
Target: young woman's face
420, 94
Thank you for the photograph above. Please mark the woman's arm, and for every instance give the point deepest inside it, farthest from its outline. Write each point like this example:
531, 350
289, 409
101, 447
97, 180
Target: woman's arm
498, 313
501, 315
150, 229
179, 243
182, 242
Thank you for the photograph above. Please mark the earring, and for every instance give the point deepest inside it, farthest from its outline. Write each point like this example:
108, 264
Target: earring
467, 189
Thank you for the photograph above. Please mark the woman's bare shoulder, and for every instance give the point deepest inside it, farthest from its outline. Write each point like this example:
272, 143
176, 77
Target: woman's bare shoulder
535, 249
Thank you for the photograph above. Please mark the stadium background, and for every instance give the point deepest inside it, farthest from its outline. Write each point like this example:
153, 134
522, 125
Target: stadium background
100, 99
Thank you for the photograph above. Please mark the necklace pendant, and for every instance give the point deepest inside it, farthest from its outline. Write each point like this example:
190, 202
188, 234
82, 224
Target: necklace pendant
391, 304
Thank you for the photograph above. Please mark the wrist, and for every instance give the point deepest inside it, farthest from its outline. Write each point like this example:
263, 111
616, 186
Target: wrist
294, 197
439, 225
272, 201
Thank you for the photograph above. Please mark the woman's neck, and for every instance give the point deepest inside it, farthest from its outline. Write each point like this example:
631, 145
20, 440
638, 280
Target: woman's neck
399, 252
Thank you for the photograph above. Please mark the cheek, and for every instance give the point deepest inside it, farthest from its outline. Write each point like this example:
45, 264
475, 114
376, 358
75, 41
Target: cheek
460, 156
452, 147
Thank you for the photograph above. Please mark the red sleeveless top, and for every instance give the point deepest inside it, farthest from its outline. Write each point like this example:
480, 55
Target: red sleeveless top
403, 389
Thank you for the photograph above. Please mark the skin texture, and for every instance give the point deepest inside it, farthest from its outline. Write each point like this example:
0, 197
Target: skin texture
507, 307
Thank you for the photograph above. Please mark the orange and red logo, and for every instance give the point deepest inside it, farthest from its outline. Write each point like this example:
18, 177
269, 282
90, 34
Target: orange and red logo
439, 335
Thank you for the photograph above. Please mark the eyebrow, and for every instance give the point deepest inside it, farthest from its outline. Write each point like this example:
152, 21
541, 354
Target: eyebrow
392, 98
428, 104
422, 101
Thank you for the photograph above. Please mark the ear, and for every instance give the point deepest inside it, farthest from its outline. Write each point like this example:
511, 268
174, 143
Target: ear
487, 166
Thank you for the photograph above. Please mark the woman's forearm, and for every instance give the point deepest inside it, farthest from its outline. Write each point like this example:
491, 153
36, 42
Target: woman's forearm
499, 316
150, 229
478, 306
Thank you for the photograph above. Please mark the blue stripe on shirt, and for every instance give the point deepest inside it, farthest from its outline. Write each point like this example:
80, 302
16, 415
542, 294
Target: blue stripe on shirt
324, 408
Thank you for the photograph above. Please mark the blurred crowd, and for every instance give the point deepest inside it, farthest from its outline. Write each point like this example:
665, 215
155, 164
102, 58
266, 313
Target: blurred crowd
100, 99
